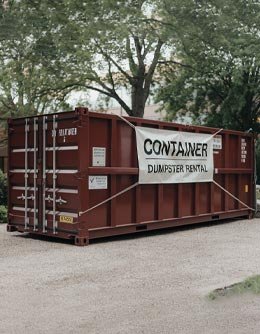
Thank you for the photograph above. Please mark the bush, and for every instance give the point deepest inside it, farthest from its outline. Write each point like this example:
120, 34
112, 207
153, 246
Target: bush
3, 189
3, 214
3, 198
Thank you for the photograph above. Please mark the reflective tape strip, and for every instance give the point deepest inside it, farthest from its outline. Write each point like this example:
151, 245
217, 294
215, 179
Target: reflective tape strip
23, 170
19, 150
48, 212
58, 171
58, 148
18, 208
58, 190
63, 191
62, 171
62, 148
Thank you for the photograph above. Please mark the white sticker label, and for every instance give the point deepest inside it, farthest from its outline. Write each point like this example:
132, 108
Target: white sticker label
217, 142
243, 150
99, 156
67, 132
97, 182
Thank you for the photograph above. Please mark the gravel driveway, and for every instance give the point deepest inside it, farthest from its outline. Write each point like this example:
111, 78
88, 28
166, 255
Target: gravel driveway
153, 283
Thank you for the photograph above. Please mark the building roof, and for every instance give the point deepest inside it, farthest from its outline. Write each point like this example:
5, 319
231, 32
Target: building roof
151, 111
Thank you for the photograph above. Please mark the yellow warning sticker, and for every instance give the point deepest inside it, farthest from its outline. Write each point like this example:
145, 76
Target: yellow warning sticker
66, 219
246, 188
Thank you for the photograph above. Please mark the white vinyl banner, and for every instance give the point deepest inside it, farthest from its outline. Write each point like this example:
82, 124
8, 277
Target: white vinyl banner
166, 156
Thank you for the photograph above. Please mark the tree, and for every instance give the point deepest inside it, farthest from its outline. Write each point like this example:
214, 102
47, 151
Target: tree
29, 81
67, 45
218, 82
110, 45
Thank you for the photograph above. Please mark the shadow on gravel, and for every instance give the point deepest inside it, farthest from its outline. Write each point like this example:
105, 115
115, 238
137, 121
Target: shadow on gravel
136, 235
44, 238
164, 231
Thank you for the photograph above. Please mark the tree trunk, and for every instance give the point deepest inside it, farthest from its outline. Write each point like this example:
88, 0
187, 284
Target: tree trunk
138, 101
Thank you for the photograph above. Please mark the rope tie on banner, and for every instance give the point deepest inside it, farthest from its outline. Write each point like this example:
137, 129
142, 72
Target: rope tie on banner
137, 183
225, 190
119, 193
125, 120
109, 199
231, 195
214, 134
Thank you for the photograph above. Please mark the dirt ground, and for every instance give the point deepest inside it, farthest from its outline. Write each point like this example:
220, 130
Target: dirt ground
151, 283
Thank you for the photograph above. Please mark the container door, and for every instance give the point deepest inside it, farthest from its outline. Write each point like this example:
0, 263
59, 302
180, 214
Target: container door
48, 194
59, 194
24, 172
43, 182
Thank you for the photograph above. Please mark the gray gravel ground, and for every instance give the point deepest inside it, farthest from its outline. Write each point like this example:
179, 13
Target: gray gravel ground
154, 283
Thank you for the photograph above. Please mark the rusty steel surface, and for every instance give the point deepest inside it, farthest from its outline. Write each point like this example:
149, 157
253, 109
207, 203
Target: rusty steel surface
65, 163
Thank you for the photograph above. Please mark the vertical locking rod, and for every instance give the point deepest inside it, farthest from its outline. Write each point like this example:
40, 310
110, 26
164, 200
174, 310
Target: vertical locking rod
26, 174
43, 174
35, 128
54, 174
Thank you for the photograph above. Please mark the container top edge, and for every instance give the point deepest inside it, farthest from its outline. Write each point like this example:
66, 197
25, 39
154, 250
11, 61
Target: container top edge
140, 121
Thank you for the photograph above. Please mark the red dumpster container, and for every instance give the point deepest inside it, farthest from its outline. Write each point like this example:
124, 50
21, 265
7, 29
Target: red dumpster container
62, 165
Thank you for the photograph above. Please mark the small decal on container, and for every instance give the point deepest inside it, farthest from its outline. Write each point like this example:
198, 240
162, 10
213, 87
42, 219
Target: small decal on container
97, 182
99, 156
246, 188
68, 132
217, 142
243, 150
66, 219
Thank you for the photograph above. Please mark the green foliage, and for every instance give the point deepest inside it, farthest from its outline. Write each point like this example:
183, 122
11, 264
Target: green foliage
3, 214
251, 284
59, 46
218, 80
207, 51
115, 44
3, 198
257, 151
3, 189
30, 79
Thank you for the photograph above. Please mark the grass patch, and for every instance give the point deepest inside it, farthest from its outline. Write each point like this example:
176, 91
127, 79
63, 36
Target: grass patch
251, 284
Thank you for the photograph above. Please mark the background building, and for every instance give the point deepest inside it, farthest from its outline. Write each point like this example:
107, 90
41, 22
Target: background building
152, 111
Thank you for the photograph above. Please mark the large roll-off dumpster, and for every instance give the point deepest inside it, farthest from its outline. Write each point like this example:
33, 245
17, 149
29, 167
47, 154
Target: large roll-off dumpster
82, 175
